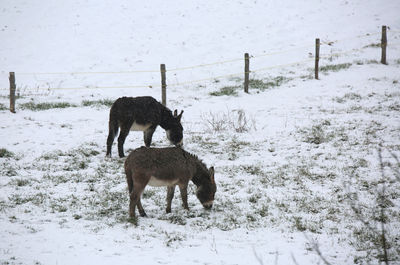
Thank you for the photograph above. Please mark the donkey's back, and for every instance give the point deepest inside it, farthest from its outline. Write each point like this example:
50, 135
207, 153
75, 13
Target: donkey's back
169, 165
142, 110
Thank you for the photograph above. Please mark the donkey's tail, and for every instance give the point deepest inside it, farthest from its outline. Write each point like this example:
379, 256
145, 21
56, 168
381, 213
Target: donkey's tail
112, 132
113, 128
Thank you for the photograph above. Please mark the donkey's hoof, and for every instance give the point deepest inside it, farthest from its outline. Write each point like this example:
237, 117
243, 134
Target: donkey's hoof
143, 214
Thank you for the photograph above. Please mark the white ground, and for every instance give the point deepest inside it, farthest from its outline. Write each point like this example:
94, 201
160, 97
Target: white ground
282, 183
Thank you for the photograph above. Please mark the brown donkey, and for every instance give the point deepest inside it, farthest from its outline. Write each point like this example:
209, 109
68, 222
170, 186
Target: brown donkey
167, 167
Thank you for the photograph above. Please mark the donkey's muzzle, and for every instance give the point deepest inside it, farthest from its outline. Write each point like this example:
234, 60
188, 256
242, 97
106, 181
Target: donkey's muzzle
208, 205
180, 144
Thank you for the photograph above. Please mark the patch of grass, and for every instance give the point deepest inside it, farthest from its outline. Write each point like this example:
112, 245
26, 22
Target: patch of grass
262, 210
57, 178
271, 83
20, 182
4, 153
348, 96
258, 84
317, 134
36, 199
253, 170
206, 143
108, 203
77, 216
394, 106
85, 151
236, 120
73, 160
3, 107
100, 102
255, 197
58, 206
226, 91
52, 155
46, 105
229, 222
362, 62
334, 67
352, 96
373, 62
173, 238
8, 169
235, 146
309, 76
76, 163
373, 45
177, 219
66, 125
298, 224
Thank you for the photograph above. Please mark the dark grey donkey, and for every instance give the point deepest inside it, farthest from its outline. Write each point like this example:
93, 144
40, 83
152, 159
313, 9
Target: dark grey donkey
142, 114
167, 167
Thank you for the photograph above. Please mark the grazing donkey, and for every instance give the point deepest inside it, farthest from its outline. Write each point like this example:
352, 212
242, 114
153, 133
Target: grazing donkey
142, 114
167, 167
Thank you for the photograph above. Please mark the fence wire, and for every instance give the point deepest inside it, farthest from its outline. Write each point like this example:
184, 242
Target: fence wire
324, 56
88, 73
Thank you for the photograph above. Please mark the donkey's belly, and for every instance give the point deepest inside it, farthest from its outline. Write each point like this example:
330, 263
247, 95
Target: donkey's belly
140, 127
156, 182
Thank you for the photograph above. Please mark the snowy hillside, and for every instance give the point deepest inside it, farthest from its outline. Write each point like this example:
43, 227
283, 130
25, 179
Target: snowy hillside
297, 160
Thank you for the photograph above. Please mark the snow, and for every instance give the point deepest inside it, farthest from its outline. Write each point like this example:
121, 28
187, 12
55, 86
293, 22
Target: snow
282, 182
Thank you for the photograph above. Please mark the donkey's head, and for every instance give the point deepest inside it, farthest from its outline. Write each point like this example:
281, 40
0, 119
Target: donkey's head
175, 131
206, 191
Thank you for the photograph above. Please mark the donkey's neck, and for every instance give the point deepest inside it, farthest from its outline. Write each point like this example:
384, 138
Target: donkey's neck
166, 118
200, 176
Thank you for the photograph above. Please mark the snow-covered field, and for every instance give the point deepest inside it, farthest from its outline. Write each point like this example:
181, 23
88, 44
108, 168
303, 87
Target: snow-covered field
297, 160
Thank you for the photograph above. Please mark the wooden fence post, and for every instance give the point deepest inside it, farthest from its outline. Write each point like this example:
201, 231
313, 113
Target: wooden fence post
317, 45
246, 72
383, 45
12, 92
163, 85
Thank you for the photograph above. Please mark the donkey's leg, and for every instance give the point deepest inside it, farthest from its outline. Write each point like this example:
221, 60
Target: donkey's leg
112, 131
129, 180
110, 140
140, 208
132, 204
121, 139
135, 198
183, 190
170, 196
148, 135
132, 197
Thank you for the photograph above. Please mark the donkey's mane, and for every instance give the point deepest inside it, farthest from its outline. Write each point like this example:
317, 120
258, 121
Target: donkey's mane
197, 159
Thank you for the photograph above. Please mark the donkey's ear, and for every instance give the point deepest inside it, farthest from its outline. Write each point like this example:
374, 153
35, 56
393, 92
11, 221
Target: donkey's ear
211, 170
179, 117
175, 113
